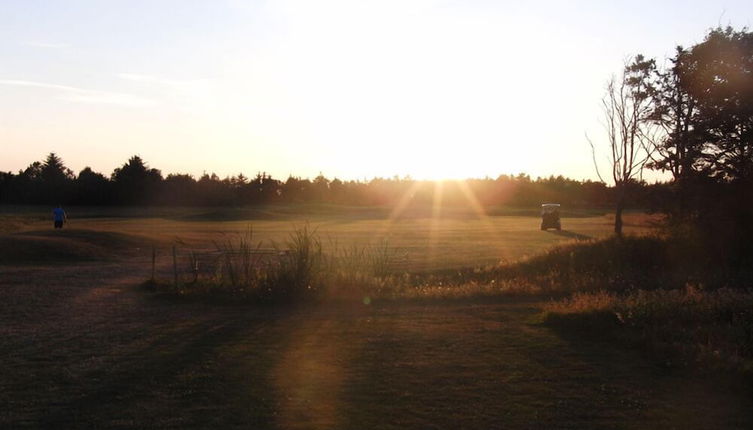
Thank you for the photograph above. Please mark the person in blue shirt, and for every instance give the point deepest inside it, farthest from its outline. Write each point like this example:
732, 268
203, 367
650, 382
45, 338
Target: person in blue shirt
59, 216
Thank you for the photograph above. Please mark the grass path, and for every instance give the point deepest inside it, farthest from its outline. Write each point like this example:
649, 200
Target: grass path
82, 347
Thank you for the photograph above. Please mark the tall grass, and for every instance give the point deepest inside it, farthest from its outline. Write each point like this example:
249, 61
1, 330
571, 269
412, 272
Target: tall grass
287, 271
296, 269
362, 269
688, 325
237, 265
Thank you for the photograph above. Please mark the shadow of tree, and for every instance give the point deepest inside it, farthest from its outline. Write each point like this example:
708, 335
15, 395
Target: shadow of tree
652, 380
570, 234
179, 375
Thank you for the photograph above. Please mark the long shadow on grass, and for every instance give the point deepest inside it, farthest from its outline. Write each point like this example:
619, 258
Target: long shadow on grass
570, 234
678, 396
178, 379
475, 366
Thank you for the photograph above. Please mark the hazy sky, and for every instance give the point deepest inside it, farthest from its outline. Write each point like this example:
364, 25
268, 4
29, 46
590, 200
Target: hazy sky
353, 89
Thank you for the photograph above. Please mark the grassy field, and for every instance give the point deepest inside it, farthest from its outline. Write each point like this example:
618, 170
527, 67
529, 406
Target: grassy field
460, 239
83, 346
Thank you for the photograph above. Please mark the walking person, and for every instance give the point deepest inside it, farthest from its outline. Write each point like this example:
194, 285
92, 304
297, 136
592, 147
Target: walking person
59, 216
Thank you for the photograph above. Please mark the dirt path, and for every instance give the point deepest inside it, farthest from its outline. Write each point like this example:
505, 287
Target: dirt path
83, 347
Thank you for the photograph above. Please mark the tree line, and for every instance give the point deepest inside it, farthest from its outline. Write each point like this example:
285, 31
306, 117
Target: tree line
135, 183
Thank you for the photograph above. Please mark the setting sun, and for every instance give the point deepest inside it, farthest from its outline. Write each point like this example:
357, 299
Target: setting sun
354, 90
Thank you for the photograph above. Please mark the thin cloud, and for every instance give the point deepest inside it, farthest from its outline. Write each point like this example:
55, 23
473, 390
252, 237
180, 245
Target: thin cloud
47, 45
22, 83
189, 85
108, 98
82, 95
140, 78
189, 95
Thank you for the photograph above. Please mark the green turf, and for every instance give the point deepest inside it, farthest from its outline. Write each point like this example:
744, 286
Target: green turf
464, 239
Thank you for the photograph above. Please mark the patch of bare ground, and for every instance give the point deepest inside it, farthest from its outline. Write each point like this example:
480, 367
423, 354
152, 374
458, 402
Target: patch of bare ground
82, 346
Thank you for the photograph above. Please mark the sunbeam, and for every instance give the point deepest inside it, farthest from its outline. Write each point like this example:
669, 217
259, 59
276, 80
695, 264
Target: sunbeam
436, 219
308, 379
405, 199
478, 209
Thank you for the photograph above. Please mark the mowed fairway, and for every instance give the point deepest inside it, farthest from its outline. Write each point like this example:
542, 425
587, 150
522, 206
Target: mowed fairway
465, 240
82, 346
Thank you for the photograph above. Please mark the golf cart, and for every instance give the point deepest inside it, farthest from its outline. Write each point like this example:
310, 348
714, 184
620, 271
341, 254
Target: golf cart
550, 216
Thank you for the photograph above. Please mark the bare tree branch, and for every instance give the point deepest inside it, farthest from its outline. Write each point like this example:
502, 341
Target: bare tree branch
593, 156
631, 134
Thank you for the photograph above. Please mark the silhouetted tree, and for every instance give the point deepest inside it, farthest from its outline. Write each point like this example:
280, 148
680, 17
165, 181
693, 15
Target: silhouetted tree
178, 189
320, 189
55, 179
720, 76
628, 109
266, 189
135, 182
294, 189
704, 104
92, 188
679, 149
28, 184
8, 190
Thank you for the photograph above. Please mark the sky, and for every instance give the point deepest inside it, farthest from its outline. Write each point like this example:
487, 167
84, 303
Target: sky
346, 88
